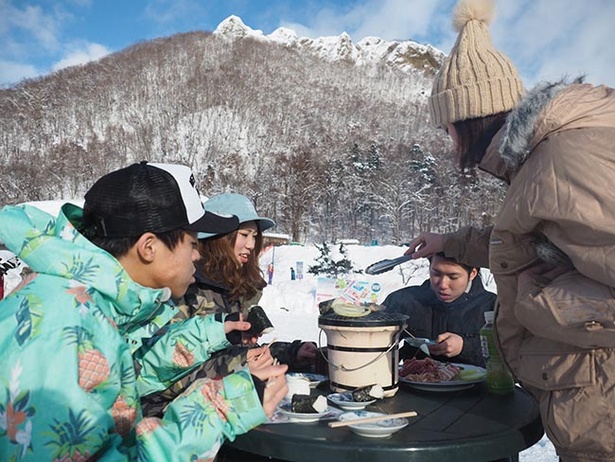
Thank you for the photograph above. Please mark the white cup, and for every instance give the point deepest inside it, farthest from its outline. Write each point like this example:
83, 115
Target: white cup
297, 386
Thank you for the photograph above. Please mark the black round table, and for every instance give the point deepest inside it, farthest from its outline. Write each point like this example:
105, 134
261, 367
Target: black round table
462, 425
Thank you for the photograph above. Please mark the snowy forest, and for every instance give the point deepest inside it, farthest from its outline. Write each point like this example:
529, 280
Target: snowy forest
328, 149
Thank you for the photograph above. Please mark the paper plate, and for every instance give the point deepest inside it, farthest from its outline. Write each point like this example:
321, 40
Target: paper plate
285, 410
379, 429
417, 342
345, 401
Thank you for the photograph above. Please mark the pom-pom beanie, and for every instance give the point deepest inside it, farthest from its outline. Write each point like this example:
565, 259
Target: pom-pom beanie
475, 80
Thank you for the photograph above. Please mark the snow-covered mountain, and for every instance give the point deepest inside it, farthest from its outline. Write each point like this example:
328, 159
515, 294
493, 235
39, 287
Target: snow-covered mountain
407, 55
331, 138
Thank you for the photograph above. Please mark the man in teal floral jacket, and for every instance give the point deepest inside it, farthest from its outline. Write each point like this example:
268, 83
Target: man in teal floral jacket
83, 339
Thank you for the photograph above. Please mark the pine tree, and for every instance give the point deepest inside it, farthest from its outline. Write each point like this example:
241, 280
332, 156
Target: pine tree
329, 267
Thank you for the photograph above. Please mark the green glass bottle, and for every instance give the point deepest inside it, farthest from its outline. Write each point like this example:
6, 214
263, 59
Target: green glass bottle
499, 379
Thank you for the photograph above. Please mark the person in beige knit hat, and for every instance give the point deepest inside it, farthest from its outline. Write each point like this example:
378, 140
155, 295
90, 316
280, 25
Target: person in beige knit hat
551, 248
476, 81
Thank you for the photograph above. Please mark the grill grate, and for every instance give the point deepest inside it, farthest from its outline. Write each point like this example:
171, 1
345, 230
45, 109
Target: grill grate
374, 319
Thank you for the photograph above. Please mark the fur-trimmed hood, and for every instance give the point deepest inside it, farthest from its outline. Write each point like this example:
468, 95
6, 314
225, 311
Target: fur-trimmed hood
549, 108
519, 130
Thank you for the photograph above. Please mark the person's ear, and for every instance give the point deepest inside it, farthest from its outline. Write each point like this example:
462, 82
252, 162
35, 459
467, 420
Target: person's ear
146, 247
473, 274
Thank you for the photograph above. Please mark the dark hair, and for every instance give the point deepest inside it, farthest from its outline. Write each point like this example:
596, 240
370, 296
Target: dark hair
119, 246
475, 135
467, 268
219, 264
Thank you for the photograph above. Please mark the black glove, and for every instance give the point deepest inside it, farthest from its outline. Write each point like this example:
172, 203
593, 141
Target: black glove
233, 336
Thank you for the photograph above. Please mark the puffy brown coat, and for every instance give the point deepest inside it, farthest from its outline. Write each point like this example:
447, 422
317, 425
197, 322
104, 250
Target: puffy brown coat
557, 152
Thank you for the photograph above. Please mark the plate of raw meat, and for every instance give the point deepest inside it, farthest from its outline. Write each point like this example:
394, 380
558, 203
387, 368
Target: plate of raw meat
431, 375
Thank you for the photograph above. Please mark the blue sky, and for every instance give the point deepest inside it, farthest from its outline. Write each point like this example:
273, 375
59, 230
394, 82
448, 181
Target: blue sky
547, 39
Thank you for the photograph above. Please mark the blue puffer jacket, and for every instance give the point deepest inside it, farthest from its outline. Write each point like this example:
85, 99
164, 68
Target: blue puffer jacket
81, 344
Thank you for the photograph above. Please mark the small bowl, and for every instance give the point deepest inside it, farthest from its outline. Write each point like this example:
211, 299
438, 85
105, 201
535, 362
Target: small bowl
345, 401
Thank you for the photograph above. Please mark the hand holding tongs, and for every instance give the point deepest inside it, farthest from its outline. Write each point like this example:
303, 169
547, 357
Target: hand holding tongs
383, 266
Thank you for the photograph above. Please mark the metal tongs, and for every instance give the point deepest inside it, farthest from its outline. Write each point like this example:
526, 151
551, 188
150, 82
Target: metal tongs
383, 266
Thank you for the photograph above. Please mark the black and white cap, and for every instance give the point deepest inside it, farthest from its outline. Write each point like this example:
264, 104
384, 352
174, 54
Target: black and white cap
153, 198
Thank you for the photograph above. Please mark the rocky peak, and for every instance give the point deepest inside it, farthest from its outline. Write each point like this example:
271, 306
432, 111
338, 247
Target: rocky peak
408, 55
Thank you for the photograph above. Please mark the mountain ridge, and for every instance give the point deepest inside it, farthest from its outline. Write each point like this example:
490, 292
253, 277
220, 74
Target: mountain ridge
405, 55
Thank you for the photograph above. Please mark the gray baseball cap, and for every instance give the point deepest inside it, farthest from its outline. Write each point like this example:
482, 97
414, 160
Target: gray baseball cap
229, 204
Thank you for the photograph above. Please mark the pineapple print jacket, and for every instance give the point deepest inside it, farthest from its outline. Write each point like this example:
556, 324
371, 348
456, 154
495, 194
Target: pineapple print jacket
81, 343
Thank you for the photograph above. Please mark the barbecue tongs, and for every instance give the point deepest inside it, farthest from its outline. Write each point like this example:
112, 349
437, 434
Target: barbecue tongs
383, 266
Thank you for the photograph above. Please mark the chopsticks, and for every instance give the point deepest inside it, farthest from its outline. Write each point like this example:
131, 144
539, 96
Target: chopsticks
268, 345
345, 423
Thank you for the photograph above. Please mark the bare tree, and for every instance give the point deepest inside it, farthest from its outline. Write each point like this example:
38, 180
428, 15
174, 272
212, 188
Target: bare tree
325, 147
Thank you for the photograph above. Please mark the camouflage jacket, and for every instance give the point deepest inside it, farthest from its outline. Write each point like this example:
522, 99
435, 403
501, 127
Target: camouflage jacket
206, 297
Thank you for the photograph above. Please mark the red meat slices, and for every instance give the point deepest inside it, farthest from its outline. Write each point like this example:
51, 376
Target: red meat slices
427, 370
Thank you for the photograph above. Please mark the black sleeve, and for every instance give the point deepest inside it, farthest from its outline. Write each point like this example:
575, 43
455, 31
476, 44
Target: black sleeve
259, 385
286, 353
471, 352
